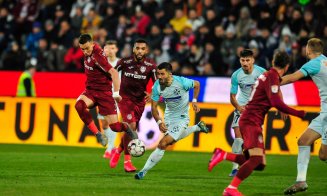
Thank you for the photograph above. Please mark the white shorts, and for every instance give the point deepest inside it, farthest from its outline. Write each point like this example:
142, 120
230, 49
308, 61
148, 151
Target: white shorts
236, 118
319, 125
176, 129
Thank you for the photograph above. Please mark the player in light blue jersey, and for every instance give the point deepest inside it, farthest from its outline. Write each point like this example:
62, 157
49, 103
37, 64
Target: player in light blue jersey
175, 92
316, 68
243, 78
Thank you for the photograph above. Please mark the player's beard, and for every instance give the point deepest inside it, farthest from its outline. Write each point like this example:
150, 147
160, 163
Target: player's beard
139, 57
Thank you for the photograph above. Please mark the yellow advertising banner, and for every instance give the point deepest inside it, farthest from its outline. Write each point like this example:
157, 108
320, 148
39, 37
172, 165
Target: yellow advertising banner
55, 122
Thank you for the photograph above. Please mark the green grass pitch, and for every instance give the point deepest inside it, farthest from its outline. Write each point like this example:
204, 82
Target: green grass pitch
53, 170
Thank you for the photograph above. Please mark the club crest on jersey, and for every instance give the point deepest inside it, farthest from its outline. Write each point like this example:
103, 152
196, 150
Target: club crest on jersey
274, 88
142, 69
129, 116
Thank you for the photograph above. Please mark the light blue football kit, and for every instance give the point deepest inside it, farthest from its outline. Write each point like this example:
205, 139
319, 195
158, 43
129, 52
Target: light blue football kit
317, 69
244, 82
176, 98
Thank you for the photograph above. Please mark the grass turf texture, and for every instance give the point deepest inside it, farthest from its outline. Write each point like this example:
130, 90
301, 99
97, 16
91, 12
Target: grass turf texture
53, 170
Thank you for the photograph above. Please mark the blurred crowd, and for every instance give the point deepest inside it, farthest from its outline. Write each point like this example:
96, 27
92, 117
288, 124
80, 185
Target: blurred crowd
199, 37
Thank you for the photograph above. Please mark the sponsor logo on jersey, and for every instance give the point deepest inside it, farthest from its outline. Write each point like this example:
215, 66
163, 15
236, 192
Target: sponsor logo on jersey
136, 76
142, 69
147, 63
245, 85
128, 61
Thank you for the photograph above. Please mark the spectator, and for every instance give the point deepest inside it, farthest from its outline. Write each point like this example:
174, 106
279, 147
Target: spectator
179, 21
65, 35
91, 22
32, 40
49, 31
76, 21
74, 57
85, 5
140, 21
14, 58
244, 23
194, 20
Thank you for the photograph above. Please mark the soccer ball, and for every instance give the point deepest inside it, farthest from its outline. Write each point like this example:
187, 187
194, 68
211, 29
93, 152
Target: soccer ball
136, 147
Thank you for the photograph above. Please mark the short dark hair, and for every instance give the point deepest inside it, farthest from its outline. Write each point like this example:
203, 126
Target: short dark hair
165, 65
246, 53
112, 42
281, 59
85, 38
316, 45
140, 40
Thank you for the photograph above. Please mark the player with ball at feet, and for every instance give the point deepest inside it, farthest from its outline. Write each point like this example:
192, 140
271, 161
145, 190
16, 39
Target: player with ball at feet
175, 92
136, 71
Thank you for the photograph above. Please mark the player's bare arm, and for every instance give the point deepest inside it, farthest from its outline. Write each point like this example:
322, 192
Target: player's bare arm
156, 116
234, 102
147, 96
116, 83
282, 114
292, 77
196, 91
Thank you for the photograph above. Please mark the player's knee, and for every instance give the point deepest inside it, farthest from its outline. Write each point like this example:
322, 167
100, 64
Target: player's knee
105, 124
116, 127
260, 167
258, 162
163, 145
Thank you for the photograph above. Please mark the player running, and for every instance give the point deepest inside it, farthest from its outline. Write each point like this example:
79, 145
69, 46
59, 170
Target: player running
110, 49
244, 78
175, 92
136, 71
98, 92
265, 94
316, 68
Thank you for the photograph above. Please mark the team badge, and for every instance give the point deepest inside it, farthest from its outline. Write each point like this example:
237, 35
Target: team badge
142, 69
129, 116
274, 88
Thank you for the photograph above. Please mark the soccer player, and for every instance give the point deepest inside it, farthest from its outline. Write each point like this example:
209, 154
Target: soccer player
136, 71
110, 49
243, 78
175, 92
316, 68
98, 92
265, 94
